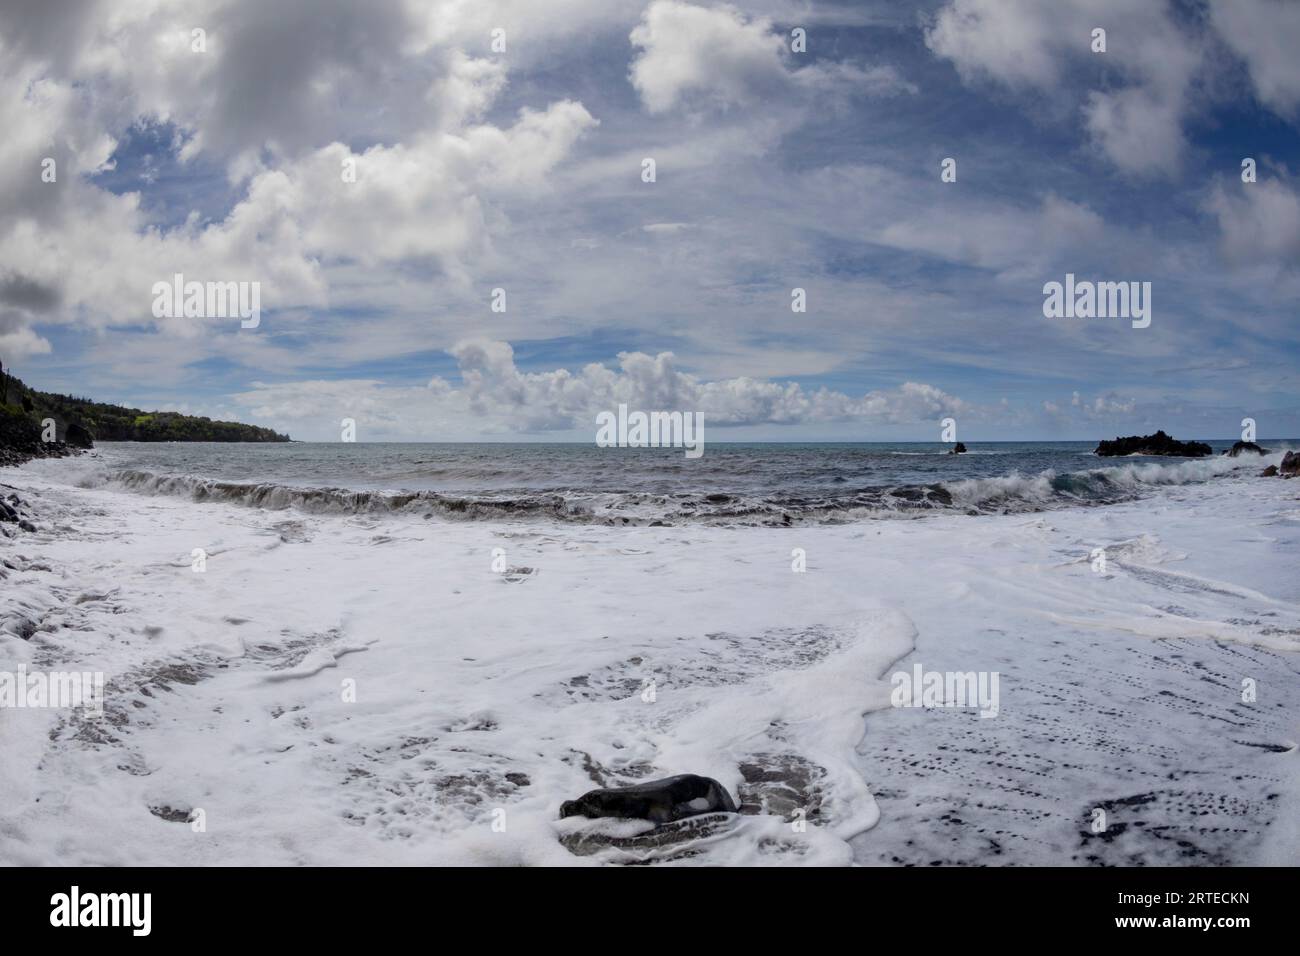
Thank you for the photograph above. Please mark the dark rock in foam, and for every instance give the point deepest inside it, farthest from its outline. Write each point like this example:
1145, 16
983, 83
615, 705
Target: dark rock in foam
1241, 446
659, 801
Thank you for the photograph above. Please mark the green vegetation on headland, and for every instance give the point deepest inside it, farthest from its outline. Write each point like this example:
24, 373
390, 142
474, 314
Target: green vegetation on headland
79, 422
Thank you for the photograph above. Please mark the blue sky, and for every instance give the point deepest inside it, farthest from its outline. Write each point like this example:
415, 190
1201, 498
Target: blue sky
521, 169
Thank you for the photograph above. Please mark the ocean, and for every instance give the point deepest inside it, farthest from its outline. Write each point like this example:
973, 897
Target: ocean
761, 483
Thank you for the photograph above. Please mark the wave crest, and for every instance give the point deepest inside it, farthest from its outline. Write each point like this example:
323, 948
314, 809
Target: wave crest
992, 495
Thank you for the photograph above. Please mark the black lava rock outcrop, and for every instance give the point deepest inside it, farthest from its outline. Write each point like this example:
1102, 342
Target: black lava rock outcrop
20, 439
1157, 444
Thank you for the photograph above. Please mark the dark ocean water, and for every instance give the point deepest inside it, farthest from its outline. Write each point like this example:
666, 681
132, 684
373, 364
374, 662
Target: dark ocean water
760, 483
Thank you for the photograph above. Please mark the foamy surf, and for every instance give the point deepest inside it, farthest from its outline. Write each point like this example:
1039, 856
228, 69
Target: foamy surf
346, 688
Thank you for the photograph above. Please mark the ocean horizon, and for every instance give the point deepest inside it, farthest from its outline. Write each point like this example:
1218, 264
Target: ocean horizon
742, 483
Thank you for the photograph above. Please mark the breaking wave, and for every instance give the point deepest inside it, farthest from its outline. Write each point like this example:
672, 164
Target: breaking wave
1004, 494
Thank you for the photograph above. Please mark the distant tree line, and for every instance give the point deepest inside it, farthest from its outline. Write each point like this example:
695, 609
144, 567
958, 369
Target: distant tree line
82, 420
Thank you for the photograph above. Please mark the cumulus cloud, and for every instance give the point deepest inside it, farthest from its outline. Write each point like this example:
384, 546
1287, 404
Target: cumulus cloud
274, 94
564, 399
18, 341
715, 53
719, 57
1264, 33
287, 77
1026, 45
23, 300
421, 200
1006, 41
1138, 130
1259, 223
1102, 408
1111, 404
496, 397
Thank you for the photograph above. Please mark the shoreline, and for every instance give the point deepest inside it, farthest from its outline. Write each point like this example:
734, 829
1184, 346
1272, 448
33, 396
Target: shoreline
466, 688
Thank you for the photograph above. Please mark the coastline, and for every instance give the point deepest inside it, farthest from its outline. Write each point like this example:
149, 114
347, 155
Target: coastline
227, 682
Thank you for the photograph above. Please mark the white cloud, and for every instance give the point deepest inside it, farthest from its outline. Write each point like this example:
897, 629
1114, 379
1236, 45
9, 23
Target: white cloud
561, 398
1259, 223
715, 53
1102, 408
1028, 45
424, 196
422, 200
720, 57
1164, 63
1005, 40
1111, 404
1139, 132
496, 397
1014, 242
18, 341
1265, 34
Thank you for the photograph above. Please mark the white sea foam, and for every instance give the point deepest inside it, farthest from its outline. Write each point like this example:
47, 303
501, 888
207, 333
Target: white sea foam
475, 692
